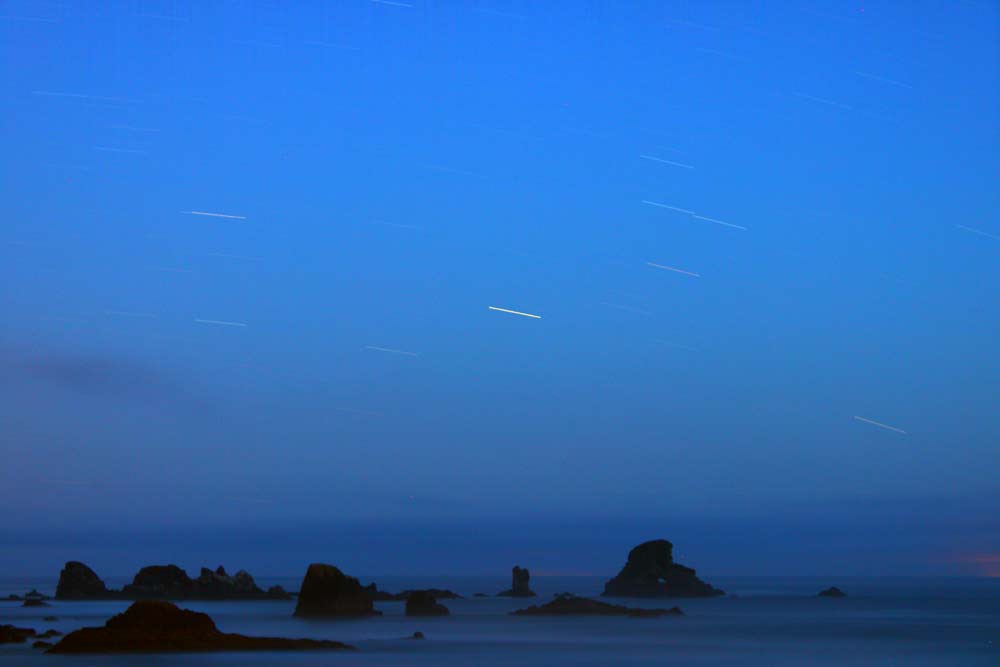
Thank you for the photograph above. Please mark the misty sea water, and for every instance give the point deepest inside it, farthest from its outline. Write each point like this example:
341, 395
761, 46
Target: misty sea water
773, 621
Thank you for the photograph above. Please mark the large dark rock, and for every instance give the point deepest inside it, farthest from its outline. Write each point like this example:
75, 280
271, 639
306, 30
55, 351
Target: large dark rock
155, 626
326, 591
424, 603
567, 604
13, 635
519, 587
79, 582
35, 602
832, 592
161, 581
652, 572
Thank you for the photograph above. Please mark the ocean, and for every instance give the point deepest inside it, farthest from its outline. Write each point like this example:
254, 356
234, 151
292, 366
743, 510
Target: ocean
772, 621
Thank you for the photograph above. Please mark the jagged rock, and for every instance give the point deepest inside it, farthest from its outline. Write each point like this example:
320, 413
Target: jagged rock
424, 603
519, 587
13, 635
49, 633
155, 626
326, 591
41, 644
832, 592
79, 582
652, 572
567, 604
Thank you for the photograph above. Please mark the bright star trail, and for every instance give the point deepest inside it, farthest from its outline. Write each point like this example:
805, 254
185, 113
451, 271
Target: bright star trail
390, 350
670, 268
216, 215
880, 425
515, 312
221, 323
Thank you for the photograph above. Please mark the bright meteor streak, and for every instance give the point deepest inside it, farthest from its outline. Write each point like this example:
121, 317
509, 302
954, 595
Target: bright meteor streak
515, 312
880, 425
216, 215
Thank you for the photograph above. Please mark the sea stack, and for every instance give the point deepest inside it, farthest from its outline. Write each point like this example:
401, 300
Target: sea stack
79, 582
519, 586
651, 572
326, 591
423, 603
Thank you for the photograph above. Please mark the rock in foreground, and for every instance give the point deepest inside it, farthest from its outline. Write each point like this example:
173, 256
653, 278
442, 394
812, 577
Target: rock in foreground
424, 603
326, 591
13, 635
832, 592
519, 585
567, 604
651, 572
154, 626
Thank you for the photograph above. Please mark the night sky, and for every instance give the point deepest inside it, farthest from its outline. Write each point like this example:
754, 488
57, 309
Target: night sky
762, 242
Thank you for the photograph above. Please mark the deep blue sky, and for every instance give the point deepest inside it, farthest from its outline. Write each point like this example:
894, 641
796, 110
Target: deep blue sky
399, 169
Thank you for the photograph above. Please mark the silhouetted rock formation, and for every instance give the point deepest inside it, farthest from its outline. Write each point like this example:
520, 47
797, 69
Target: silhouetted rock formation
424, 603
566, 604
34, 602
652, 572
156, 626
79, 582
51, 632
13, 635
832, 592
326, 591
519, 587
403, 596
41, 644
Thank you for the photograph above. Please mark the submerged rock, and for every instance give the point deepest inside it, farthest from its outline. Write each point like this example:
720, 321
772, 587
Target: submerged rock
652, 572
14, 635
326, 591
519, 587
566, 604
156, 626
832, 592
416, 635
79, 582
424, 603
403, 596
